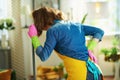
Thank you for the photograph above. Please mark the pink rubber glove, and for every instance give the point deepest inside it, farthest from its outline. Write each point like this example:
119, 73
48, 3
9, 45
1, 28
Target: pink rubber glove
92, 57
32, 31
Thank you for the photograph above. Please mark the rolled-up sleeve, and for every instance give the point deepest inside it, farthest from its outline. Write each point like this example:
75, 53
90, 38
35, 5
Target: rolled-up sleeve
45, 51
93, 31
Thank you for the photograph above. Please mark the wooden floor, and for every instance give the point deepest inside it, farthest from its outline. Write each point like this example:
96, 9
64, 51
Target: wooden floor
105, 78
109, 78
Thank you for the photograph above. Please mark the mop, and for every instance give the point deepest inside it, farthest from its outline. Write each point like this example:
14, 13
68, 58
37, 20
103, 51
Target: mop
33, 59
33, 53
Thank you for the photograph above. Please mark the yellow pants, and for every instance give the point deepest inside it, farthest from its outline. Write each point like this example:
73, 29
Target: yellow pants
76, 69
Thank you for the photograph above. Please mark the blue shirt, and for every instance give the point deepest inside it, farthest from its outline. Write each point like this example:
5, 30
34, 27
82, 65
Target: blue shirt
68, 38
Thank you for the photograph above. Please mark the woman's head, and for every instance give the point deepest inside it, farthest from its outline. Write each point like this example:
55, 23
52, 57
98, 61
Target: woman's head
44, 17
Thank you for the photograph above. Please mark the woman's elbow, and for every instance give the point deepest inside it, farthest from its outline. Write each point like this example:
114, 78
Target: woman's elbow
40, 54
102, 32
43, 59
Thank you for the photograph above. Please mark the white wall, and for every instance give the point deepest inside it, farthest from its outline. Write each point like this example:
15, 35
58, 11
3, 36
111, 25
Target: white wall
74, 9
27, 50
106, 67
26, 12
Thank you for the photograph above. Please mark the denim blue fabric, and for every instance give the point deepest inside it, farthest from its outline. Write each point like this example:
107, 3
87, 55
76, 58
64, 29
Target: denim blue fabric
68, 38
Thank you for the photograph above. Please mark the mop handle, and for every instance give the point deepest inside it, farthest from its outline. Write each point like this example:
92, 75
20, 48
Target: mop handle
34, 70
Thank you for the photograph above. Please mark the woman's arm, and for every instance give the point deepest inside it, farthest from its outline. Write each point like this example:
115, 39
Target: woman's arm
93, 31
96, 34
45, 51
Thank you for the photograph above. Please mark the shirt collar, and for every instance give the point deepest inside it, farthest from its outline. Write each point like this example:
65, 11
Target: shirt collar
56, 21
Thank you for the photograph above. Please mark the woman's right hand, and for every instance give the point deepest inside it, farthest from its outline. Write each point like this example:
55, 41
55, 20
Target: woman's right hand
92, 56
32, 31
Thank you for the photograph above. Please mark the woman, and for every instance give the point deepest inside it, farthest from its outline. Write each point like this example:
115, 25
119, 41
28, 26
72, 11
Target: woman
68, 39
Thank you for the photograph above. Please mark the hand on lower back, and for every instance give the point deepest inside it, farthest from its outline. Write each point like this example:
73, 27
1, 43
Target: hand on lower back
92, 56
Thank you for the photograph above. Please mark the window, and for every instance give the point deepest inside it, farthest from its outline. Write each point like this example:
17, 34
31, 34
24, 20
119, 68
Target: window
104, 14
3, 14
3, 8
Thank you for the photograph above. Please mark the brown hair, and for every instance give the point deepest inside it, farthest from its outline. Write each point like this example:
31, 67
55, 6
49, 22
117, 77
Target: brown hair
45, 16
